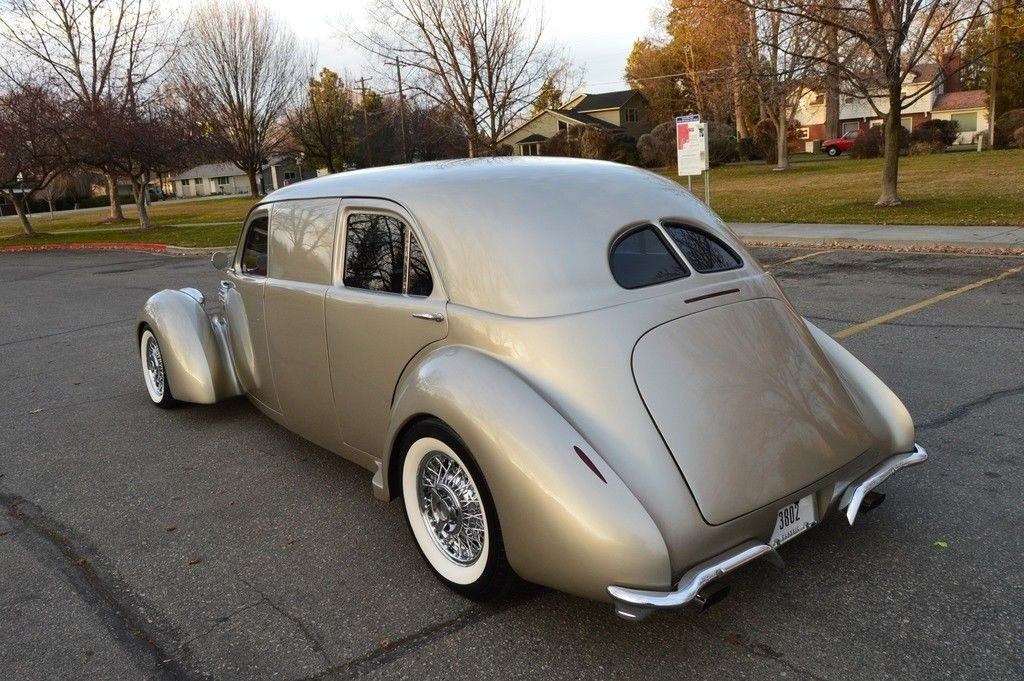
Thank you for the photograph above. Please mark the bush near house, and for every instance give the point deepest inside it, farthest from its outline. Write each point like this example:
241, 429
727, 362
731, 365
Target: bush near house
657, 148
1007, 126
872, 142
592, 142
936, 133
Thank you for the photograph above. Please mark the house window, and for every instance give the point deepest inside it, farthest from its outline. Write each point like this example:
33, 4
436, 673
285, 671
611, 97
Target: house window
289, 175
532, 149
819, 99
968, 121
185, 183
632, 115
803, 133
850, 126
848, 99
877, 122
222, 181
562, 125
908, 123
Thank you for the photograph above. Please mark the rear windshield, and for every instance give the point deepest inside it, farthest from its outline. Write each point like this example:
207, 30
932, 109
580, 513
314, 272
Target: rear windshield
703, 251
642, 258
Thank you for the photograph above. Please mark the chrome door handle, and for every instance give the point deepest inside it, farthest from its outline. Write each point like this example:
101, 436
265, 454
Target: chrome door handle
429, 316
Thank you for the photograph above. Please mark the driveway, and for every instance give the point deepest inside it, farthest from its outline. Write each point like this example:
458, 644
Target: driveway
207, 542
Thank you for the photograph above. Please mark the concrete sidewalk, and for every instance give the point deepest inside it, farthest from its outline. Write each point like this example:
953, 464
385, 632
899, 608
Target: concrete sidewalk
924, 236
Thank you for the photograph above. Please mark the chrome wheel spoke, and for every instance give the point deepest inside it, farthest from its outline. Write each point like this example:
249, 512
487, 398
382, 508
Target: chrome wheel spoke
451, 508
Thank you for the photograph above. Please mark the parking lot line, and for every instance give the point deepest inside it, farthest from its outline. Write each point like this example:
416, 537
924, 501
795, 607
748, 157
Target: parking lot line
889, 316
798, 258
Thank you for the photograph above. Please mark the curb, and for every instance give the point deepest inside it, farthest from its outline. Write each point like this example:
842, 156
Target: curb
965, 248
140, 247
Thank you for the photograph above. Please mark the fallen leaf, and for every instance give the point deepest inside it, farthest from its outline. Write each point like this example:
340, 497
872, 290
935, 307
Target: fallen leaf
385, 644
172, 528
290, 542
195, 561
4, 533
941, 544
734, 639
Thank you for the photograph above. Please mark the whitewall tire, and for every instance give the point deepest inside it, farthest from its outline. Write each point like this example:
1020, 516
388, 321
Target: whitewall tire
153, 371
450, 512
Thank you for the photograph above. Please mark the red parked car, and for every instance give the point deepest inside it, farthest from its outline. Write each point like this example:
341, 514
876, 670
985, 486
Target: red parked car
838, 145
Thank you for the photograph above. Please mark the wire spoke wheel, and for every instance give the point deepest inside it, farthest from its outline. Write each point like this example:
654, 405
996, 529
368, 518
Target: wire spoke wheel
451, 508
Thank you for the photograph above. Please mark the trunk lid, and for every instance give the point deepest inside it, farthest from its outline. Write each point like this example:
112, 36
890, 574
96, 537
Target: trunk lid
747, 403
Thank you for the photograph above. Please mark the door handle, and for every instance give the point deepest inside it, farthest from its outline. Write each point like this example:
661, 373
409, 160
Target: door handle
429, 316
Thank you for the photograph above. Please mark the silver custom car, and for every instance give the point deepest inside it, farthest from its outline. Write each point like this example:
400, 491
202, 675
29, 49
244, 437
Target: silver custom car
569, 371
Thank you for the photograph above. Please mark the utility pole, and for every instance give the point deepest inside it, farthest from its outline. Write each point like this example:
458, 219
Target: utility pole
401, 109
993, 84
366, 123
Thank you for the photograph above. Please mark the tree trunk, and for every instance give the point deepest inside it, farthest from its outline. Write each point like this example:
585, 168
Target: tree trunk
19, 208
253, 187
993, 84
831, 82
891, 154
782, 139
116, 213
139, 189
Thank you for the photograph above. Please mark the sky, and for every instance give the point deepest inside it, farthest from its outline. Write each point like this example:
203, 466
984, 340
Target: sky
598, 34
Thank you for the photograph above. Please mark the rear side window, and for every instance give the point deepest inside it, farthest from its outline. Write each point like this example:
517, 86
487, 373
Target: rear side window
642, 258
382, 254
703, 251
254, 250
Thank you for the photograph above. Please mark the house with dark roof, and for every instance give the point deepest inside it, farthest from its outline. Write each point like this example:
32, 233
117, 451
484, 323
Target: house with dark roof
624, 111
941, 97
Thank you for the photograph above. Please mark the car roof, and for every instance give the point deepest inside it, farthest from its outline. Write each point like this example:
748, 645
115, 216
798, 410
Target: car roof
525, 237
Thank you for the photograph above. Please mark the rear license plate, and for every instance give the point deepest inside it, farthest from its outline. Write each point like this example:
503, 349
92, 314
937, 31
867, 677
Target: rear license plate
792, 519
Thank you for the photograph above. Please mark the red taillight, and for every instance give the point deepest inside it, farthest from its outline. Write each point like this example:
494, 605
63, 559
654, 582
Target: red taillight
590, 464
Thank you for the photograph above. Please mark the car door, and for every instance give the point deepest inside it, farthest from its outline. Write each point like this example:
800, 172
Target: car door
300, 271
243, 289
386, 305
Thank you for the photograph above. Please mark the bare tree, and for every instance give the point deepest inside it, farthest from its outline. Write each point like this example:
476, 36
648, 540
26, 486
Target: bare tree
881, 43
98, 51
33, 144
485, 61
779, 65
242, 69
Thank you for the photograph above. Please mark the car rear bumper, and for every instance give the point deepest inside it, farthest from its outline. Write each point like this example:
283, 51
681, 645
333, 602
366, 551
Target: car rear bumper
634, 604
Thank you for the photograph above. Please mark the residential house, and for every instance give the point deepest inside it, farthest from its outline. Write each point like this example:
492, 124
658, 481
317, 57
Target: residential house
947, 101
214, 179
625, 111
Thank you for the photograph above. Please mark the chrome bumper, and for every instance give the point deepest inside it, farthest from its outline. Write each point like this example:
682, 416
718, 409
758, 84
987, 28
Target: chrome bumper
636, 604
856, 490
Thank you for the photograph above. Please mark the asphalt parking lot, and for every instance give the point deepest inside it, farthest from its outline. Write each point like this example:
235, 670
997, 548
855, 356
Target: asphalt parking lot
207, 542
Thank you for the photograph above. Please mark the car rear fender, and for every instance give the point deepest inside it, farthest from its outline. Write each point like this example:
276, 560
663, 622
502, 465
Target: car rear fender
566, 523
193, 346
884, 414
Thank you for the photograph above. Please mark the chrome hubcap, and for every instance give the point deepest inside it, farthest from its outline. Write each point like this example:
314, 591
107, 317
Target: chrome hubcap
155, 366
451, 508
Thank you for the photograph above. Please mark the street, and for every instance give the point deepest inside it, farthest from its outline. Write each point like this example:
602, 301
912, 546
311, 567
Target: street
208, 542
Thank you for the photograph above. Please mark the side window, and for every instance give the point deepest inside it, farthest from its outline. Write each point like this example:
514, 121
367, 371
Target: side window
642, 258
254, 250
705, 252
376, 257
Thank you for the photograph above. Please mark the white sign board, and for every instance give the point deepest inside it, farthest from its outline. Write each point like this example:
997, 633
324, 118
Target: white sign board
691, 145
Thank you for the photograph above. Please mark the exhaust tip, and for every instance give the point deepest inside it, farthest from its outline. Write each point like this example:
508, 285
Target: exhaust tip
872, 500
711, 595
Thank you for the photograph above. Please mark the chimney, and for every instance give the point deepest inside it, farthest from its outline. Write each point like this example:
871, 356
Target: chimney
951, 66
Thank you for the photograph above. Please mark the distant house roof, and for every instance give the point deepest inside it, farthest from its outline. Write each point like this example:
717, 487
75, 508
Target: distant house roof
965, 99
532, 138
926, 73
586, 119
604, 100
210, 170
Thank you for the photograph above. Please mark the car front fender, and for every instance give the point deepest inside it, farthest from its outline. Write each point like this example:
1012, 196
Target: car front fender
564, 525
193, 346
883, 412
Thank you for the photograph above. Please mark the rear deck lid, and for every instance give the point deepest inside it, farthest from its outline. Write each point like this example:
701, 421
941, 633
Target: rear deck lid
747, 403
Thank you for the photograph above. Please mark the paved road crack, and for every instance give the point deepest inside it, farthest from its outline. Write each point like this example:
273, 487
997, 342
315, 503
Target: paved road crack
132, 622
966, 408
315, 642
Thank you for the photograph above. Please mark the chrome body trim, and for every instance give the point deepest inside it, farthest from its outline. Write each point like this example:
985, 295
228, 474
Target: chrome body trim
854, 494
636, 604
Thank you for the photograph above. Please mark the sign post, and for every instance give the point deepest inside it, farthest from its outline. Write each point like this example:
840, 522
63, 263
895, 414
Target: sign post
692, 151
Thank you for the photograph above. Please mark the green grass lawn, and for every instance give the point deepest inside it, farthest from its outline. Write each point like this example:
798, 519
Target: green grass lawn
212, 222
962, 188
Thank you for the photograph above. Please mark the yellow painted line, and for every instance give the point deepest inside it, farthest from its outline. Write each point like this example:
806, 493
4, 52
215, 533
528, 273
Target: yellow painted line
889, 316
797, 259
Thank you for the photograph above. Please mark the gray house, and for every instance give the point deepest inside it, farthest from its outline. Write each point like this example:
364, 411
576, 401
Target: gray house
215, 179
621, 111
